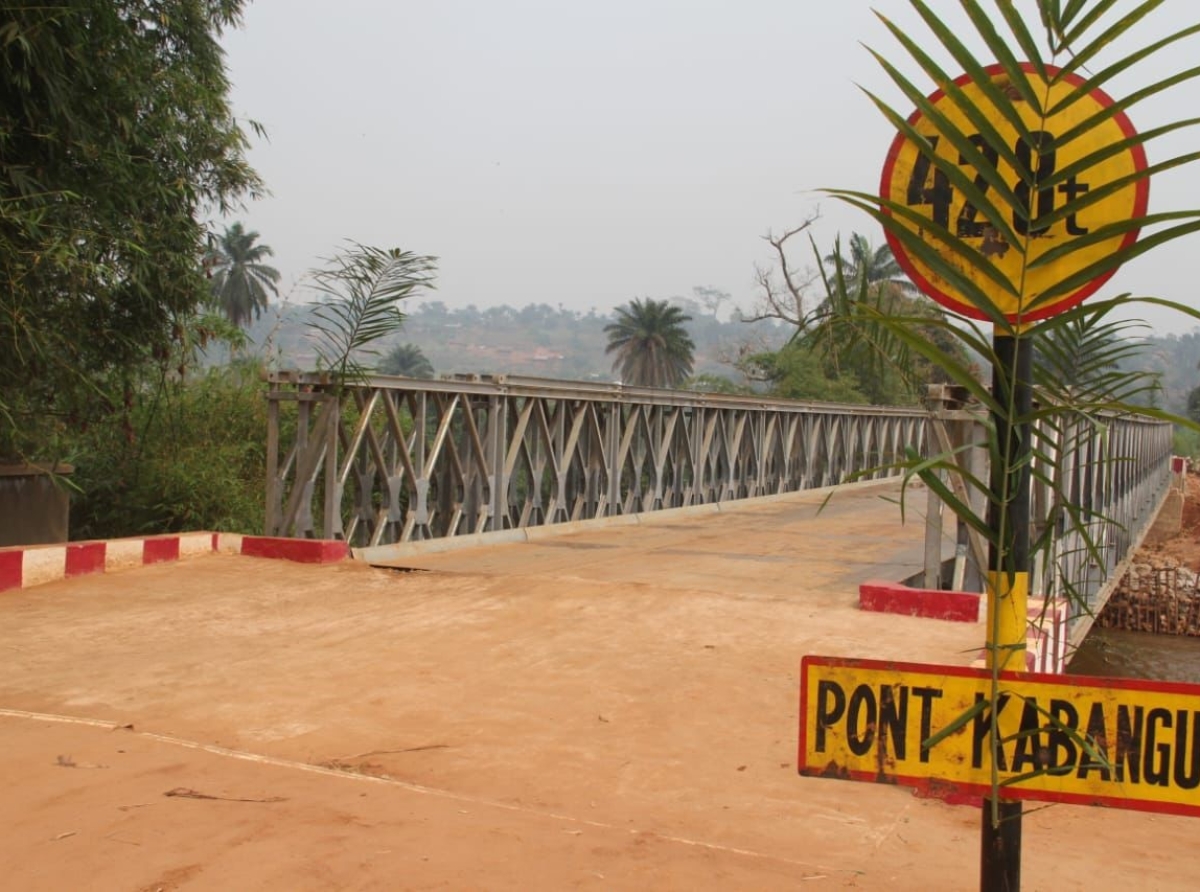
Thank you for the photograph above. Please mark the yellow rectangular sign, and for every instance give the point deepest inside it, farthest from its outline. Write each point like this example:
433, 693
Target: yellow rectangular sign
1091, 741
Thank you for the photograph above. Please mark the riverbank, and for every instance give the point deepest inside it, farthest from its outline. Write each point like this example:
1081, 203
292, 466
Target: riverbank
1151, 626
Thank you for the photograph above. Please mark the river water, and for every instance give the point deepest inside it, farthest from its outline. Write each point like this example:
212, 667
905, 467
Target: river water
1138, 655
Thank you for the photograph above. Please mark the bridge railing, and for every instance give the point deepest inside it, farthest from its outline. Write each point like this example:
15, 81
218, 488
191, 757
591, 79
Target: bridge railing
1115, 472
397, 460
1098, 483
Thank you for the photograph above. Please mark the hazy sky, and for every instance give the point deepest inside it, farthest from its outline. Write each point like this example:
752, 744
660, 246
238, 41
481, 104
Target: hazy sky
557, 151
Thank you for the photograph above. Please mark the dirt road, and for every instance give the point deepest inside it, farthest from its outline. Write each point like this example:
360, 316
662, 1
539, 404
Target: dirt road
612, 710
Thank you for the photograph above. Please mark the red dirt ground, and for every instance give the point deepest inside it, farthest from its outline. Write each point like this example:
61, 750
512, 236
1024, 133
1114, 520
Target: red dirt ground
615, 710
1185, 547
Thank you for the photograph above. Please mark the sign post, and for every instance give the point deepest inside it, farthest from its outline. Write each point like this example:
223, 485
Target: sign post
1040, 156
1007, 584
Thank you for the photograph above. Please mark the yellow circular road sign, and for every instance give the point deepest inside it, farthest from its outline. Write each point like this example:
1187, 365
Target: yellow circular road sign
1051, 145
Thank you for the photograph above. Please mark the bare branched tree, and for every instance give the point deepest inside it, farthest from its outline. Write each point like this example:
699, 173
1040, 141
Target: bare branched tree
783, 291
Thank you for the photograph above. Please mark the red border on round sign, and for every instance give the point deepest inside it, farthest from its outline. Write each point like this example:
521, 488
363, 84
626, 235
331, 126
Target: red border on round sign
1141, 202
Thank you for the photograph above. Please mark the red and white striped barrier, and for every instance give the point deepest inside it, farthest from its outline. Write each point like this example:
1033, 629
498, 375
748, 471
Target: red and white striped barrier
24, 566
1046, 641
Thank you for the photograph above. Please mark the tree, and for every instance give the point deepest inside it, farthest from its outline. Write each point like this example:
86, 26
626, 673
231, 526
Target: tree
709, 383
116, 137
966, 216
1193, 405
711, 298
796, 372
653, 348
240, 281
407, 360
839, 317
784, 291
874, 265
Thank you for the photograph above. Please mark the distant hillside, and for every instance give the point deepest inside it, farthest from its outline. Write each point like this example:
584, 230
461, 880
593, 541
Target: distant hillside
535, 340
1176, 358
551, 342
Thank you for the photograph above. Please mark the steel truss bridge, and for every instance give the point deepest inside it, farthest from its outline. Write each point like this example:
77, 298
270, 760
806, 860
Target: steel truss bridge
394, 460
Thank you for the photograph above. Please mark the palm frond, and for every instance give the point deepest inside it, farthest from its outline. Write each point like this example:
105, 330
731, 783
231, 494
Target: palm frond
1012, 192
362, 287
1068, 38
1100, 78
1082, 55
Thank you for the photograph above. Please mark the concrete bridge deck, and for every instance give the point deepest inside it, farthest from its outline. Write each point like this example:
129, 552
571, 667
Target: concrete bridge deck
611, 709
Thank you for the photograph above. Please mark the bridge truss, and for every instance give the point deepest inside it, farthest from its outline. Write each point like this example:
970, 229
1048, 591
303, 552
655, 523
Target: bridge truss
393, 460
398, 460
1099, 481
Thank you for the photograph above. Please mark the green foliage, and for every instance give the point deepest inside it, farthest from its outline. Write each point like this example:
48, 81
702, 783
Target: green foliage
708, 383
1186, 442
1080, 350
115, 136
652, 347
846, 330
1082, 359
1193, 405
867, 265
362, 286
797, 372
843, 350
190, 454
240, 280
407, 360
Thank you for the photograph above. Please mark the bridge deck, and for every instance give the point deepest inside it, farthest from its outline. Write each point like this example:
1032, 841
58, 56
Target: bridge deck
611, 709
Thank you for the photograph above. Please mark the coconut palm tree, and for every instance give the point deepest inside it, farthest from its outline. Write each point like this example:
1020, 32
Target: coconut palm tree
240, 280
407, 360
652, 347
867, 262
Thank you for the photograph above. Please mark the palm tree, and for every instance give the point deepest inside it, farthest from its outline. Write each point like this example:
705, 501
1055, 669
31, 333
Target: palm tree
240, 281
987, 211
653, 348
851, 333
407, 360
868, 262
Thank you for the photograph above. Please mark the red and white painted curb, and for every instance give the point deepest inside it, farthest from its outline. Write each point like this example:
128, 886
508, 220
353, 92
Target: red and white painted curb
1045, 641
24, 566
882, 596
